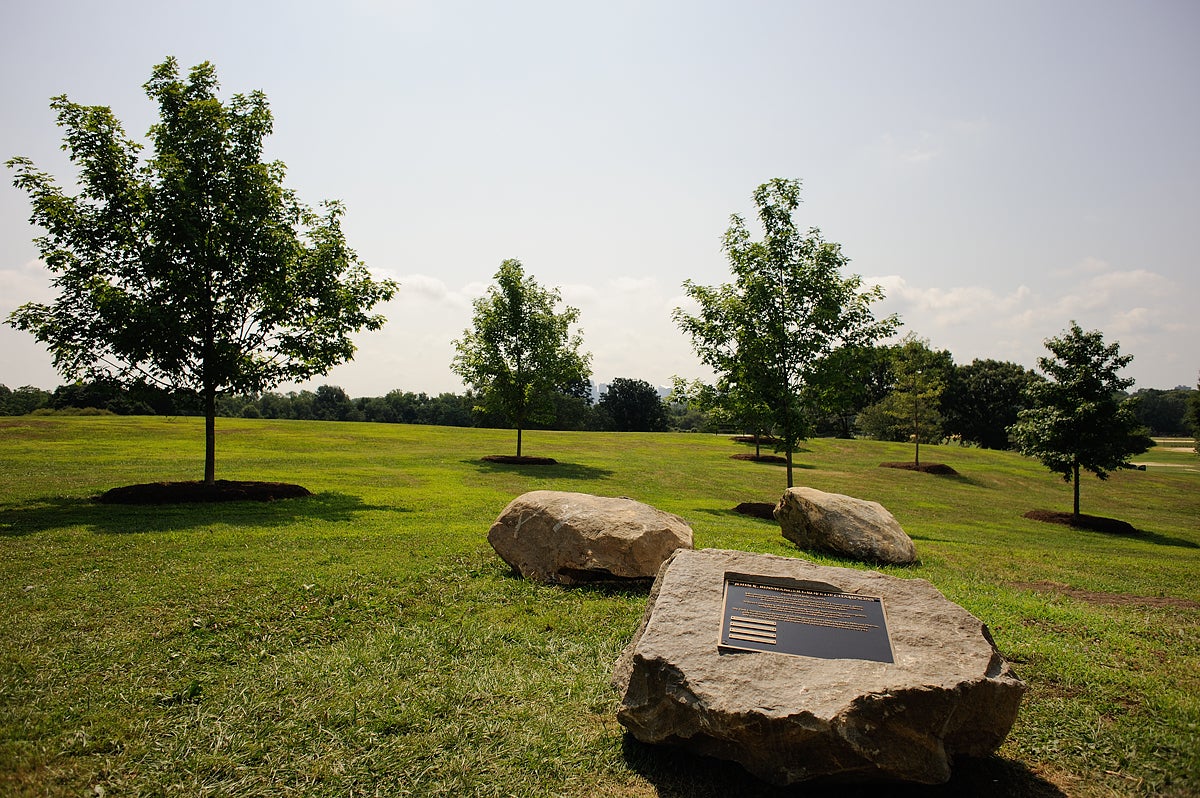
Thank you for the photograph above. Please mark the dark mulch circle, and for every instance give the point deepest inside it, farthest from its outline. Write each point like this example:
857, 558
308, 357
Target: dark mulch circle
510, 459
925, 468
760, 458
757, 509
222, 490
1090, 522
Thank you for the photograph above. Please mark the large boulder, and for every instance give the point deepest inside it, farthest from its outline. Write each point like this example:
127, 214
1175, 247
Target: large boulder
842, 525
785, 718
571, 538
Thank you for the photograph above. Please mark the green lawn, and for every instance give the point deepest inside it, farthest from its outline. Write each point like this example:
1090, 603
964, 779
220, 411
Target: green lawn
368, 641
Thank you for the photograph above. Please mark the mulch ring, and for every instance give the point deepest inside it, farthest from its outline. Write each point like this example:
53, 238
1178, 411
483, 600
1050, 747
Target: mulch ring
1105, 599
760, 458
1091, 522
222, 490
757, 509
509, 459
925, 468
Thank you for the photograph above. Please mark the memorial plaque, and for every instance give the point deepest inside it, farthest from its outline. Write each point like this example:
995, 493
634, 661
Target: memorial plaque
788, 616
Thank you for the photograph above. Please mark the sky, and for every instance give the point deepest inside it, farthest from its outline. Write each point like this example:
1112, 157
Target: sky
999, 169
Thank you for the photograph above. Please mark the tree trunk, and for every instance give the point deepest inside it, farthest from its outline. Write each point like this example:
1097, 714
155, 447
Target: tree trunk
518, 440
1075, 474
210, 436
757, 445
788, 456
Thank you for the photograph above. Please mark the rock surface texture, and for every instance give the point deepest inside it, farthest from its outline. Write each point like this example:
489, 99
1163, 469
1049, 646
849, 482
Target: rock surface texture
573, 538
788, 718
830, 522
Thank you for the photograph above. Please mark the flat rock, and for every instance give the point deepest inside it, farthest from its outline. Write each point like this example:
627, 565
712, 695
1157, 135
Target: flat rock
572, 538
787, 718
831, 522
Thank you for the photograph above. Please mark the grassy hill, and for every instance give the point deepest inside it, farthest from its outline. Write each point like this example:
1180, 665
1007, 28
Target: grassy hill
367, 640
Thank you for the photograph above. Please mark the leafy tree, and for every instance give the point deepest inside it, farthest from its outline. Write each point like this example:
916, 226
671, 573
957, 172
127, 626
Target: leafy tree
982, 400
787, 309
633, 406
683, 416
1164, 412
727, 404
910, 411
23, 400
196, 269
1193, 415
520, 352
1078, 417
331, 403
845, 384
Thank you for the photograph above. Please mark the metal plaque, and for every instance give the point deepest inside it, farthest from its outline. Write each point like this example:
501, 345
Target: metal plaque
788, 616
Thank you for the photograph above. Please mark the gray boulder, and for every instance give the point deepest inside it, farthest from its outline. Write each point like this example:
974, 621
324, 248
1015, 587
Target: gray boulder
572, 538
842, 525
788, 718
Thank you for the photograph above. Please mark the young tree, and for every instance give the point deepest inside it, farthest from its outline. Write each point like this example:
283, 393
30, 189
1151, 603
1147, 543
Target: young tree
196, 269
910, 411
633, 406
1078, 418
520, 352
787, 309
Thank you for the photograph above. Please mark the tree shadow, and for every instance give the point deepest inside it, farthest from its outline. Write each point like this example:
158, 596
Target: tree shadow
767, 460
607, 588
767, 444
733, 512
1108, 526
574, 471
41, 515
1162, 540
939, 470
676, 773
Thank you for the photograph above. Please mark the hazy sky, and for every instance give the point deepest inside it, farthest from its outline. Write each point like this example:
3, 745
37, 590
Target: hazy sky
1000, 168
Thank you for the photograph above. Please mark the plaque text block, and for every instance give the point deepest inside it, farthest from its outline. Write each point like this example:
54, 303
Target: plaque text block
764, 613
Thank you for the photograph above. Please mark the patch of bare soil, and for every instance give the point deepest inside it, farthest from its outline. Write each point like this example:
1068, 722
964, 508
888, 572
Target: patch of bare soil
511, 459
760, 458
1106, 599
222, 490
925, 468
1092, 522
757, 509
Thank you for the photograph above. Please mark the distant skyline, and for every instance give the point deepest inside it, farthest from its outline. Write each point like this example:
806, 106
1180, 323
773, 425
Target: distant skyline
999, 169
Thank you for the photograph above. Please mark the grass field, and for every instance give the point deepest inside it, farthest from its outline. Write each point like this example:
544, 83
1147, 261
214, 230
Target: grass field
367, 641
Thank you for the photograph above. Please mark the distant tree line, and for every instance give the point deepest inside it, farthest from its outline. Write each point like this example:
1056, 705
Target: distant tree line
910, 389
627, 405
973, 403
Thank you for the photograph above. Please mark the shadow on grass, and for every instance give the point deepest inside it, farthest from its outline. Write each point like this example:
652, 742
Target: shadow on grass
765, 444
962, 479
556, 471
40, 515
1108, 526
733, 512
1163, 540
678, 774
615, 587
